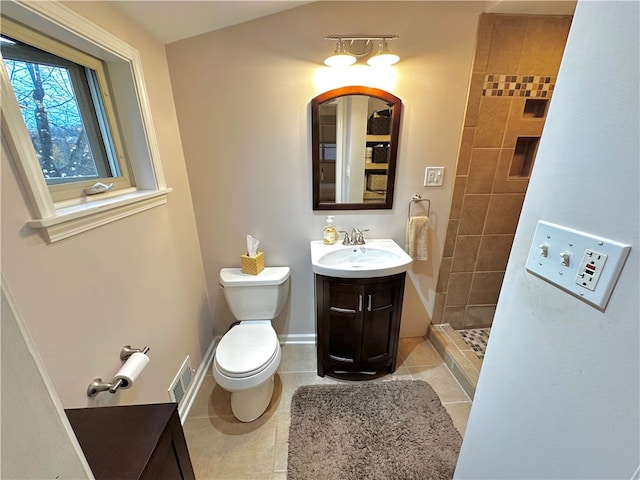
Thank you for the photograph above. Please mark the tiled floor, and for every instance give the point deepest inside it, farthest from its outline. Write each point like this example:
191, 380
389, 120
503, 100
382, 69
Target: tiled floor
477, 339
223, 448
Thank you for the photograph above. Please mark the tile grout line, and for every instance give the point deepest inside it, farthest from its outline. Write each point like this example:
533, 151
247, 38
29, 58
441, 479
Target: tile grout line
421, 360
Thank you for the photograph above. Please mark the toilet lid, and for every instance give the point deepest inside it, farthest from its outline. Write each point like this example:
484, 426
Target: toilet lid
246, 349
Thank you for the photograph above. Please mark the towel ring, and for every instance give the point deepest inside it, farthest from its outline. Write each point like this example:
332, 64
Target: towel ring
418, 199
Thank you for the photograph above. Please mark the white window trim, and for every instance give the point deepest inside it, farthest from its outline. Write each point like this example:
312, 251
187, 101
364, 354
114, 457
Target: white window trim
62, 220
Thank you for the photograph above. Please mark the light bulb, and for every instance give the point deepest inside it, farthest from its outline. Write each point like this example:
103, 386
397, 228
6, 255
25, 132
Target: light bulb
340, 58
384, 57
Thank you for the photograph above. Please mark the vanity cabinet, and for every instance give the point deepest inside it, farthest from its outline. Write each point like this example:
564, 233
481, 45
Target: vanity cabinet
358, 324
133, 441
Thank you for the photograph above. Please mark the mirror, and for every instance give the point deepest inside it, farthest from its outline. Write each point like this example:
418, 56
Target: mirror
354, 136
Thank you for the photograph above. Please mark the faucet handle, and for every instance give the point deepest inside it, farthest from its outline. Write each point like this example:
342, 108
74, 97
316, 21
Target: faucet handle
347, 238
357, 237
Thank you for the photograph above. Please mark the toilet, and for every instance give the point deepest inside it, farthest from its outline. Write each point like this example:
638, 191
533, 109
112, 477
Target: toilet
248, 355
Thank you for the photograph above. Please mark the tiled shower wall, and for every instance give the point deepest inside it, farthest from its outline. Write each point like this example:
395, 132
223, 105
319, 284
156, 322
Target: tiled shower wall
515, 67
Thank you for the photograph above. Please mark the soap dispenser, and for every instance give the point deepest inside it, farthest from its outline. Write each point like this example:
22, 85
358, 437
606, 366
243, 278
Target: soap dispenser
329, 232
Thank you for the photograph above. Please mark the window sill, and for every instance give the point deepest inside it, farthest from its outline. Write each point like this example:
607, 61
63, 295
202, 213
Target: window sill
74, 219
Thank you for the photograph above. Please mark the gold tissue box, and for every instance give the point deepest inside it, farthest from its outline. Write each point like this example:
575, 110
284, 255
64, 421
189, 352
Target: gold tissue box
252, 265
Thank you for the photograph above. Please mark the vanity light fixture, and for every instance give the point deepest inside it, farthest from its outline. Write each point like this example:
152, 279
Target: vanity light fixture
340, 57
384, 58
350, 48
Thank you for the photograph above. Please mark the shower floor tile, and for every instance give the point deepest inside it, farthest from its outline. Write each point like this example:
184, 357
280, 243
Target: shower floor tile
477, 339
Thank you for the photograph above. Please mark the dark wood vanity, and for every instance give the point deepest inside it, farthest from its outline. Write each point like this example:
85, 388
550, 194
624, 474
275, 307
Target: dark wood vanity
133, 441
358, 325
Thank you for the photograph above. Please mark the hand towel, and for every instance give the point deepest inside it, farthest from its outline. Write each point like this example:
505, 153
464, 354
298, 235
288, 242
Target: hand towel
416, 240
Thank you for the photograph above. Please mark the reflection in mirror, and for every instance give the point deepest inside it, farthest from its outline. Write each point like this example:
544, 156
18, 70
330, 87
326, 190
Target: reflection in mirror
355, 141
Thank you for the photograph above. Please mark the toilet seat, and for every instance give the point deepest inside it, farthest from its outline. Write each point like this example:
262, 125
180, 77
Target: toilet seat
258, 343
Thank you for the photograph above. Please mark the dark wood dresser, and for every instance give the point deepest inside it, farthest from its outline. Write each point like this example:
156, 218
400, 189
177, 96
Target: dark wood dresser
133, 441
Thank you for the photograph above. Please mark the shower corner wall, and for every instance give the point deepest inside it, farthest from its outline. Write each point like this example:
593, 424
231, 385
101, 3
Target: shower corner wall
515, 67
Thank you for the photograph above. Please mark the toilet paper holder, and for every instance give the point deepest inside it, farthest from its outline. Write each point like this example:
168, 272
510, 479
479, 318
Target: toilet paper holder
97, 385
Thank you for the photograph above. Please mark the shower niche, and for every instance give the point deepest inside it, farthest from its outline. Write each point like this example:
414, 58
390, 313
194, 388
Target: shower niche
535, 108
524, 154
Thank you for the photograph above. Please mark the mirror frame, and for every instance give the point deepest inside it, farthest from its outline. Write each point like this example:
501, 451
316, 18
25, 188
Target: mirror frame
390, 99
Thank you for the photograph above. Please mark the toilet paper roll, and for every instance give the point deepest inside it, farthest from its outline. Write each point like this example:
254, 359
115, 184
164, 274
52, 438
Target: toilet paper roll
131, 369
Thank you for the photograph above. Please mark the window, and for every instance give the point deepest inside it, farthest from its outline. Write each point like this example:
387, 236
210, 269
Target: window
98, 128
70, 123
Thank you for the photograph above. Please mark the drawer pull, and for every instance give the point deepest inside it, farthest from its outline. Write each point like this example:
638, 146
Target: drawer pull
342, 310
335, 358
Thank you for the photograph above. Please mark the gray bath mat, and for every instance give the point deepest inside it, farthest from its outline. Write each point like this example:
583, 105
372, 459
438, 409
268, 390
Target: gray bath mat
374, 430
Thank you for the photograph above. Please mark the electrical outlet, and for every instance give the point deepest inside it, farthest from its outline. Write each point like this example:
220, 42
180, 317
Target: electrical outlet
433, 176
590, 269
554, 254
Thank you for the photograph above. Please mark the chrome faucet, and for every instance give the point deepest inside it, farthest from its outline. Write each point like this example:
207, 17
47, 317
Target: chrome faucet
357, 236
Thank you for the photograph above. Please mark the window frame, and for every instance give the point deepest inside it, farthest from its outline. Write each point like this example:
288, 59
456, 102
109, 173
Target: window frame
109, 134
61, 219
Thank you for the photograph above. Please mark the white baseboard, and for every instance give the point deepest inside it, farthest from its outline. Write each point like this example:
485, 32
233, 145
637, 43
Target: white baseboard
297, 338
196, 383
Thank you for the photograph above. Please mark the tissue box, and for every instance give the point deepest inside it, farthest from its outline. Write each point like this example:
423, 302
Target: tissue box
252, 265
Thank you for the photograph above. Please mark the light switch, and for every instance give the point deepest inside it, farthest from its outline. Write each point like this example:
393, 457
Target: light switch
544, 250
433, 176
553, 256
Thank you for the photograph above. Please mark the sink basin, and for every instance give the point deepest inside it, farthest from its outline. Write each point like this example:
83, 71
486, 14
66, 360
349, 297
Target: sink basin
376, 258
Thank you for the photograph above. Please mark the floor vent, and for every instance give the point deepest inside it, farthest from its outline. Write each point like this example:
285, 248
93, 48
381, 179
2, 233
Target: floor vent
180, 384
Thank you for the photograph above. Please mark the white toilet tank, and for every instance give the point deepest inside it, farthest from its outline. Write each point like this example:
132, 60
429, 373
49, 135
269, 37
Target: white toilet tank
255, 297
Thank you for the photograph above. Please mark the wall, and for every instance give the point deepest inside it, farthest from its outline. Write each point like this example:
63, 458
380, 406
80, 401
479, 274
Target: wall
524, 50
242, 95
136, 281
42, 442
559, 390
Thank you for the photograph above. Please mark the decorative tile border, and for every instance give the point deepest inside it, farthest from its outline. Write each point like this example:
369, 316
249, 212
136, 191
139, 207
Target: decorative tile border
518, 86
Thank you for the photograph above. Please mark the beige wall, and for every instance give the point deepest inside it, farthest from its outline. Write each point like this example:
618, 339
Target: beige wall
137, 281
242, 96
488, 193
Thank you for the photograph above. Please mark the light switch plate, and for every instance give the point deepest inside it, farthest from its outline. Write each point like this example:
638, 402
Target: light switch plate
433, 176
559, 255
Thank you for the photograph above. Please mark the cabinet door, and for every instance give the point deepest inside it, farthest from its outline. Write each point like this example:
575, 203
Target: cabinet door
163, 464
380, 318
133, 441
342, 327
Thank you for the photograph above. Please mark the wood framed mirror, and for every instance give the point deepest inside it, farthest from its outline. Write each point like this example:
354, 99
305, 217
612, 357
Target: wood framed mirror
354, 136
